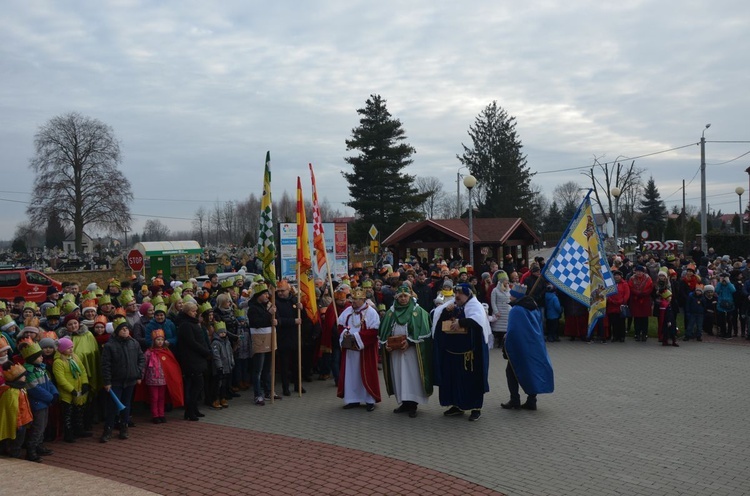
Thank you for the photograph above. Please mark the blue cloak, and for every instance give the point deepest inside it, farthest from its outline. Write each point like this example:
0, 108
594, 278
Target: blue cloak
527, 352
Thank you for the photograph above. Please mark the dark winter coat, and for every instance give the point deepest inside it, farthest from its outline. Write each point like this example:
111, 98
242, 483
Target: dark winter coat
193, 354
122, 362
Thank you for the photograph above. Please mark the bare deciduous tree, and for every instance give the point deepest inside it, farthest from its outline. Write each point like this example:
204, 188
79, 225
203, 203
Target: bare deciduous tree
200, 224
155, 230
432, 188
76, 164
605, 176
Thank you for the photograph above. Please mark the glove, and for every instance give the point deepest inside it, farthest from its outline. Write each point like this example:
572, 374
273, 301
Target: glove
85, 389
76, 394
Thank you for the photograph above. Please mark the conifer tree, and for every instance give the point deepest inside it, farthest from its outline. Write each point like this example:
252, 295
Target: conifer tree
381, 193
654, 211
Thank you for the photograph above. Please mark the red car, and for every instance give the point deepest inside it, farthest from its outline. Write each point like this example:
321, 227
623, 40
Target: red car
31, 284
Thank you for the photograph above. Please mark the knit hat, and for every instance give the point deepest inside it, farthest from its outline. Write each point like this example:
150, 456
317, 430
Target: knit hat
68, 318
64, 344
31, 352
145, 307
464, 289
516, 294
52, 290
708, 288
29, 330
47, 343
664, 271
699, 287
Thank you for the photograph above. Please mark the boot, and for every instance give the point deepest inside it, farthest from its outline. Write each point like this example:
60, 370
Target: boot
106, 435
216, 405
67, 418
78, 428
674, 342
124, 432
224, 404
33, 456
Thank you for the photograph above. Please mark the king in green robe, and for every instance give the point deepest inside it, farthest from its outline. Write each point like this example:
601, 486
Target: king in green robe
407, 368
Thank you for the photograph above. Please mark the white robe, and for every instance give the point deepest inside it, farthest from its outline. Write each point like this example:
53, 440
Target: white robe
354, 390
407, 381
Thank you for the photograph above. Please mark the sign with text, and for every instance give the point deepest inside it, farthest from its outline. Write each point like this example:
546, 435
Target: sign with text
336, 250
135, 260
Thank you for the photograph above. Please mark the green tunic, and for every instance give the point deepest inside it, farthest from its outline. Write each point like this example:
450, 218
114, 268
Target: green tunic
87, 350
418, 334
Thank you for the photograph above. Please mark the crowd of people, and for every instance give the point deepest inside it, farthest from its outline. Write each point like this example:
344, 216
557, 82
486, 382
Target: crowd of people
86, 356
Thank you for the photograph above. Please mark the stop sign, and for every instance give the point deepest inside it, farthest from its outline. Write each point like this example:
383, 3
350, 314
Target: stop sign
135, 260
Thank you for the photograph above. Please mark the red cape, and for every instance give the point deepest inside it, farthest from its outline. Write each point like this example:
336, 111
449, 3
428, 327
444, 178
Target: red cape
368, 365
173, 376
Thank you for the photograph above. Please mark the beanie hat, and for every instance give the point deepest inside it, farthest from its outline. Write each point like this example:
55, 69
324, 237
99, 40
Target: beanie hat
145, 307
46, 343
708, 288
31, 352
29, 330
699, 287
52, 290
92, 287
68, 318
64, 344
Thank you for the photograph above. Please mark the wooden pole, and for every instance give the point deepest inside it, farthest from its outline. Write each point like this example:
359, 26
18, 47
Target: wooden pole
299, 332
272, 291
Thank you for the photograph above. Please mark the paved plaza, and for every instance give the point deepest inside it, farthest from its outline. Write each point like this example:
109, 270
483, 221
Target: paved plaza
626, 418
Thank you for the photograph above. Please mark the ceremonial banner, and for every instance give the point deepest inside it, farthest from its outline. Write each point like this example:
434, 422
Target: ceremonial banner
304, 263
578, 268
319, 243
266, 243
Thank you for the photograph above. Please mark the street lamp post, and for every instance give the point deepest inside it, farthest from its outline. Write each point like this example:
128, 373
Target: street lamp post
616, 192
739, 190
704, 220
470, 181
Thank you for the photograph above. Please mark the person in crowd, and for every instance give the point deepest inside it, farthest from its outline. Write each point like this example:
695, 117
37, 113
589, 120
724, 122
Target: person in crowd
15, 409
528, 362
406, 340
358, 329
615, 304
123, 364
222, 363
261, 319
667, 322
288, 318
86, 348
552, 314
500, 306
193, 356
162, 377
709, 318
461, 333
42, 393
73, 387
695, 311
641, 304
160, 321
725, 309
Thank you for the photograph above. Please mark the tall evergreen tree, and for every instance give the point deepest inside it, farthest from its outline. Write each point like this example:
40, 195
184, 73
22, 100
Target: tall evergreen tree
554, 220
54, 236
654, 211
381, 193
495, 159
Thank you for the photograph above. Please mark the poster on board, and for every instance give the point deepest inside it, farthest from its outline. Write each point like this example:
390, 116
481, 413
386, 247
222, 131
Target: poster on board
335, 236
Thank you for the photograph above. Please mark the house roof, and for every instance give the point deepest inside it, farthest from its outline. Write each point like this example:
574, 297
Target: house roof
486, 231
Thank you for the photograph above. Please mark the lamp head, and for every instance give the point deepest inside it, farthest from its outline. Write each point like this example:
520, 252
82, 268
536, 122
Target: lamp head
470, 181
616, 192
739, 190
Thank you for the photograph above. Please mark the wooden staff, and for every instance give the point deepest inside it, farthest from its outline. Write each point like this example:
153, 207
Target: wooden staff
299, 332
272, 291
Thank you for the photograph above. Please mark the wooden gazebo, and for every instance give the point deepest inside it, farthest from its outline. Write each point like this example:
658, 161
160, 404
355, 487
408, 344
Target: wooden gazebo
492, 238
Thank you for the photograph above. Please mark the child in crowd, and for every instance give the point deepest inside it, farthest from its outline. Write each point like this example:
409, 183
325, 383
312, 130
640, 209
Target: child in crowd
73, 387
667, 322
552, 313
709, 317
42, 393
48, 343
162, 377
241, 372
15, 410
4, 350
695, 310
223, 362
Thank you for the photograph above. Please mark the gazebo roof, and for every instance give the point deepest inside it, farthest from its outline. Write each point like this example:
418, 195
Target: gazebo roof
494, 231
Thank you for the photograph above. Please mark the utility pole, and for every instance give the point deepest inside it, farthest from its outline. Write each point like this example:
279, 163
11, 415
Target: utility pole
704, 220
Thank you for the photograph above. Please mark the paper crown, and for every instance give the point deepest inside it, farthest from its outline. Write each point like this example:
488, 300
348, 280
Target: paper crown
358, 294
14, 372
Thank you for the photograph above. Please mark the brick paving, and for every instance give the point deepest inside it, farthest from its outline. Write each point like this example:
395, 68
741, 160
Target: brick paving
626, 418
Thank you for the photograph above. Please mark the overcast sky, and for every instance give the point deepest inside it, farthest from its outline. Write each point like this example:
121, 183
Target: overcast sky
198, 91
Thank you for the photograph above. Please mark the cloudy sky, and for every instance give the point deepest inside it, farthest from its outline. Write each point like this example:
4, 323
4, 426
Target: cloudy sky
198, 91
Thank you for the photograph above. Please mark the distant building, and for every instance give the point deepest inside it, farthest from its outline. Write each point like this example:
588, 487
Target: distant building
87, 244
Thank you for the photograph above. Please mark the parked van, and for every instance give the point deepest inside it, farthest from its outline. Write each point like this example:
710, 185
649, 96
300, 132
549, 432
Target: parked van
31, 284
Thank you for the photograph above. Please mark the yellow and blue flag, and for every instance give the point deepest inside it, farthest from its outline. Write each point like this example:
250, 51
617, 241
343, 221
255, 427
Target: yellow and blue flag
578, 266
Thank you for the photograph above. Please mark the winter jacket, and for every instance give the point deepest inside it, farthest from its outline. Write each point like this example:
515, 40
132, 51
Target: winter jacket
725, 297
170, 332
69, 381
122, 361
695, 304
500, 304
615, 301
552, 307
42, 391
223, 357
194, 353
